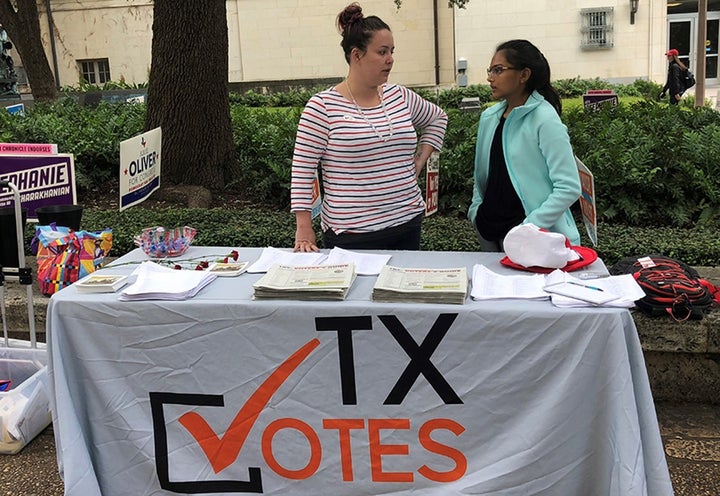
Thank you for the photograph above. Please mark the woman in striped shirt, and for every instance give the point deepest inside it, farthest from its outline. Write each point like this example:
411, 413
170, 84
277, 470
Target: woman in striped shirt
362, 132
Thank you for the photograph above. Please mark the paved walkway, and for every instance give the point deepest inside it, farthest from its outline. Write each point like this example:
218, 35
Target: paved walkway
691, 436
690, 432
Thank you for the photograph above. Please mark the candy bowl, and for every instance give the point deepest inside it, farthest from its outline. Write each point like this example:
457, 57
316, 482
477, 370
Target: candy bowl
158, 242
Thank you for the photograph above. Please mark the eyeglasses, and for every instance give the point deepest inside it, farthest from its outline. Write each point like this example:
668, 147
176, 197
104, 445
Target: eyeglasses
496, 70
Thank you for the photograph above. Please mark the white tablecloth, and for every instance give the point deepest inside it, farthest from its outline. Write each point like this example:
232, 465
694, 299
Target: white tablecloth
224, 394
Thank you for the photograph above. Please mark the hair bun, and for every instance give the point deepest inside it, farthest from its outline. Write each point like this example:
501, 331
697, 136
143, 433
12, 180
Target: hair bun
349, 16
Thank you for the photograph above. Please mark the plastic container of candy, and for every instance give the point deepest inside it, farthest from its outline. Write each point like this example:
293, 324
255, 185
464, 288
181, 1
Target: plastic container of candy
159, 242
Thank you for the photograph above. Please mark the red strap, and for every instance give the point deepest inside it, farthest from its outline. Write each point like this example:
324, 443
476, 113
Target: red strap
681, 309
714, 290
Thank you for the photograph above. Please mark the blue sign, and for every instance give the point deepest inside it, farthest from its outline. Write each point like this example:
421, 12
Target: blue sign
18, 109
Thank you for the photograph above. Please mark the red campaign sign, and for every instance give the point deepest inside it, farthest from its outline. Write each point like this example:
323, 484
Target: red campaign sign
432, 193
586, 203
587, 210
432, 183
587, 200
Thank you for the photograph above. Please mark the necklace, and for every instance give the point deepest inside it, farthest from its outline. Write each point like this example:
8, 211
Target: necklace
387, 118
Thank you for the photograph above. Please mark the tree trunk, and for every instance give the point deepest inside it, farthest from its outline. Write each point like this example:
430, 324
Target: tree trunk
23, 28
188, 92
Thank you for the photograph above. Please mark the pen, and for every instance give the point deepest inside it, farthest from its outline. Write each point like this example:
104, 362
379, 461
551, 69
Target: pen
585, 286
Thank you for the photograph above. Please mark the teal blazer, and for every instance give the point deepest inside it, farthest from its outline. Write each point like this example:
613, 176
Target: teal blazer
540, 162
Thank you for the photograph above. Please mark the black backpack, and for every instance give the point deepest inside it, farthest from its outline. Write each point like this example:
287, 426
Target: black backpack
687, 79
671, 287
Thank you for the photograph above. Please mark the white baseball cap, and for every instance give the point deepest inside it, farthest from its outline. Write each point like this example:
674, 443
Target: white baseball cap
529, 247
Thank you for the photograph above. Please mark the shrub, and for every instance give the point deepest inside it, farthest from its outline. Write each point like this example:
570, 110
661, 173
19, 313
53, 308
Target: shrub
574, 87
92, 135
215, 227
457, 163
654, 164
240, 227
264, 139
450, 98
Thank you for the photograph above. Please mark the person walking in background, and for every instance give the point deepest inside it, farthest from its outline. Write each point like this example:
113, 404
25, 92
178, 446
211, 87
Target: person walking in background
525, 170
362, 133
674, 84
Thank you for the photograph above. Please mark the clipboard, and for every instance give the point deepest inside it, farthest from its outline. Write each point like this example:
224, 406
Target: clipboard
584, 292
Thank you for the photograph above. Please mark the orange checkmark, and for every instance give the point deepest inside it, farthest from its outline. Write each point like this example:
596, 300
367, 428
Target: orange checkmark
222, 451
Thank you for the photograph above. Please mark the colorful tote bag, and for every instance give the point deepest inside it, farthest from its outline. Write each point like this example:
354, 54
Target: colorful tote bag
65, 256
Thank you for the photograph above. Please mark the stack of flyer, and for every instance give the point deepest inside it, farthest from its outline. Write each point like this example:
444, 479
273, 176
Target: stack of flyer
421, 285
101, 283
155, 282
312, 283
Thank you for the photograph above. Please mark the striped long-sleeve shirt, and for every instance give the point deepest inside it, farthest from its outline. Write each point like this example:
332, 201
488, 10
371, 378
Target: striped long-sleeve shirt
366, 157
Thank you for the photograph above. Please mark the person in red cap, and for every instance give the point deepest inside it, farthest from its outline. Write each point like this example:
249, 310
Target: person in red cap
673, 84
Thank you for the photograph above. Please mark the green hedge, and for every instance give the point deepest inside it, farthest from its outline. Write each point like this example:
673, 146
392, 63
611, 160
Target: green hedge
654, 164
240, 227
91, 134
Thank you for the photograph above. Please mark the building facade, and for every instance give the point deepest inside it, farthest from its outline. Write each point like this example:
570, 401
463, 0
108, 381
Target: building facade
436, 45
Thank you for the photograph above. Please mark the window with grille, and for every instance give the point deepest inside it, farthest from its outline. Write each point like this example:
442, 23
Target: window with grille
95, 71
597, 28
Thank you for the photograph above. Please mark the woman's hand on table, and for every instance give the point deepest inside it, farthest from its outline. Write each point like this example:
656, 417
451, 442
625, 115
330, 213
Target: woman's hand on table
304, 233
305, 240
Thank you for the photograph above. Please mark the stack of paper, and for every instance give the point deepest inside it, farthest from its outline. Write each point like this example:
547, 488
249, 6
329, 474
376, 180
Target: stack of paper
562, 288
318, 282
155, 282
271, 256
615, 291
421, 285
488, 285
99, 283
366, 264
228, 269
583, 292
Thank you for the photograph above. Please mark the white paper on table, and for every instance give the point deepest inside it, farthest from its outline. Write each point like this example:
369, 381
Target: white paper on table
366, 264
271, 256
489, 285
625, 286
162, 283
589, 294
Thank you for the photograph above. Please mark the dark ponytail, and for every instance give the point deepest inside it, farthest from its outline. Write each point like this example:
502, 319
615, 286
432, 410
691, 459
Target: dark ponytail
523, 54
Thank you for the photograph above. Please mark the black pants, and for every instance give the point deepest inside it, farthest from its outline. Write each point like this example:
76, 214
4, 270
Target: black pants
403, 237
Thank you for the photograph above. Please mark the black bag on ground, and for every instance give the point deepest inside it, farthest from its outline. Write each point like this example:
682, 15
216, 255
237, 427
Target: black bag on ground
671, 286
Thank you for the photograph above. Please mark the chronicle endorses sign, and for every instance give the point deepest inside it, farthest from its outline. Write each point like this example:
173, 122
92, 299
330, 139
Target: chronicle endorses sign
28, 148
43, 180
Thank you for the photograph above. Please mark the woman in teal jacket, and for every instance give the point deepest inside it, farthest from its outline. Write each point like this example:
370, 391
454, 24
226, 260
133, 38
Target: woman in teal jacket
525, 170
